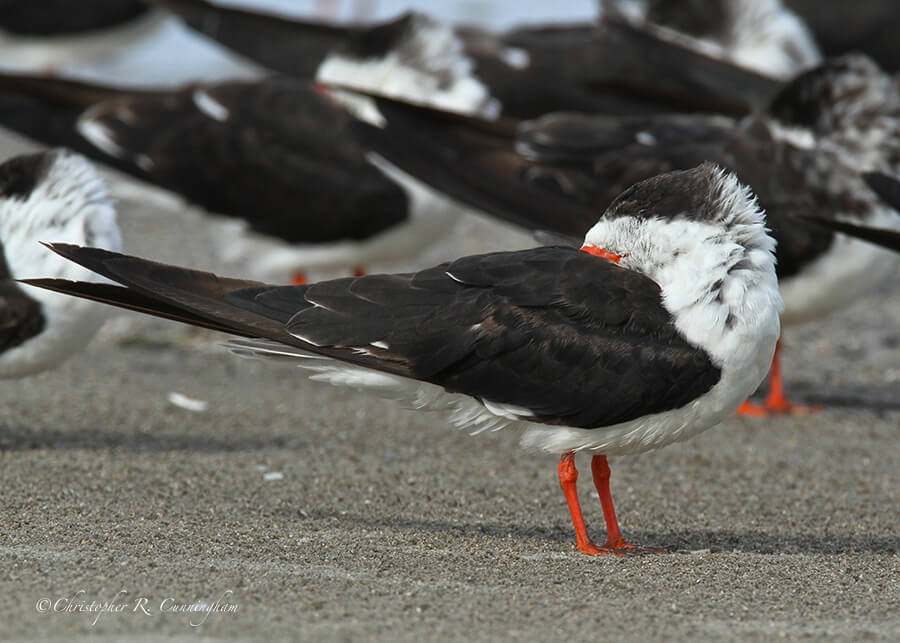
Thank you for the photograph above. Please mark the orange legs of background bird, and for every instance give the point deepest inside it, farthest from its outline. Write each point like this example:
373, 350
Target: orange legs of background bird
775, 403
568, 477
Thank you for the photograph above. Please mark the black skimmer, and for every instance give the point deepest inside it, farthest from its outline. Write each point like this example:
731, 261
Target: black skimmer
274, 153
763, 35
50, 195
802, 158
654, 331
612, 67
868, 26
56, 33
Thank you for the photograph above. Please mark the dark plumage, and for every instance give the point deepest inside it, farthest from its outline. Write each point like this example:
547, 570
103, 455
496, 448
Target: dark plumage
557, 172
66, 17
613, 67
577, 340
273, 152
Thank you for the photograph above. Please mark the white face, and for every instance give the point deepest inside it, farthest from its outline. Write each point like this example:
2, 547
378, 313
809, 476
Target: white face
713, 272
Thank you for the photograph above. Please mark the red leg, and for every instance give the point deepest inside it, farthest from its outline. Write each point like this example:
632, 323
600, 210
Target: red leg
775, 403
600, 469
614, 541
299, 278
359, 271
568, 477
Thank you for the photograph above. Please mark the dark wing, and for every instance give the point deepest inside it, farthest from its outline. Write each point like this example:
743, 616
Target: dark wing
251, 149
573, 338
612, 68
255, 150
21, 317
284, 44
62, 17
561, 171
556, 173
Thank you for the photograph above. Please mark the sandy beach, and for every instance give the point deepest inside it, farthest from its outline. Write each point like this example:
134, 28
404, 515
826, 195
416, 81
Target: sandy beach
296, 511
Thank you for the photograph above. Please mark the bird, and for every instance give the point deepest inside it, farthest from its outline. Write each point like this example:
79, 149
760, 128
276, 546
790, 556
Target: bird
610, 67
54, 33
275, 155
764, 35
655, 330
803, 156
52, 194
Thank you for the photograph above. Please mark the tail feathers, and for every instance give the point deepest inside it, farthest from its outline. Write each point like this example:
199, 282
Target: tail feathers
192, 296
122, 297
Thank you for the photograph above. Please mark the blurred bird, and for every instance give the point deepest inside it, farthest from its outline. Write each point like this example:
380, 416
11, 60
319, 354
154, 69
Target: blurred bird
50, 195
758, 34
613, 67
802, 158
655, 331
275, 154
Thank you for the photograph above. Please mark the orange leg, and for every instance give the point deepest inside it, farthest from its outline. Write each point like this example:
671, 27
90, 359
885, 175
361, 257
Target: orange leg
775, 403
359, 271
614, 541
568, 477
299, 278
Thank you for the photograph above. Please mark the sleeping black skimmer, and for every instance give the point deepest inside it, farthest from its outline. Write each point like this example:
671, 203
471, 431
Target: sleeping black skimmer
802, 158
611, 67
654, 331
50, 195
274, 154
867, 26
763, 35
52, 34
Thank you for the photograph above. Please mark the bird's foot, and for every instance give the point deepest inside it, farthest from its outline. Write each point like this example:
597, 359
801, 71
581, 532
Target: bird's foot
619, 548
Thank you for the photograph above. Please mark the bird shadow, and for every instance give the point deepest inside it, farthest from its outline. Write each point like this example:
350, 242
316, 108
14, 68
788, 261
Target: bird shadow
871, 399
673, 542
17, 438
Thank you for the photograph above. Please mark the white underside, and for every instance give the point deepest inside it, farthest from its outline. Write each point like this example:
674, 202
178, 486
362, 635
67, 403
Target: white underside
847, 271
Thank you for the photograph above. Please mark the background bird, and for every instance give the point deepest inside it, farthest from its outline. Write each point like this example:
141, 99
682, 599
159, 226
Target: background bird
611, 67
49, 195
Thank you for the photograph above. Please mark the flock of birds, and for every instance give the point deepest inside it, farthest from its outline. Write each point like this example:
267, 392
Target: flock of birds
668, 153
